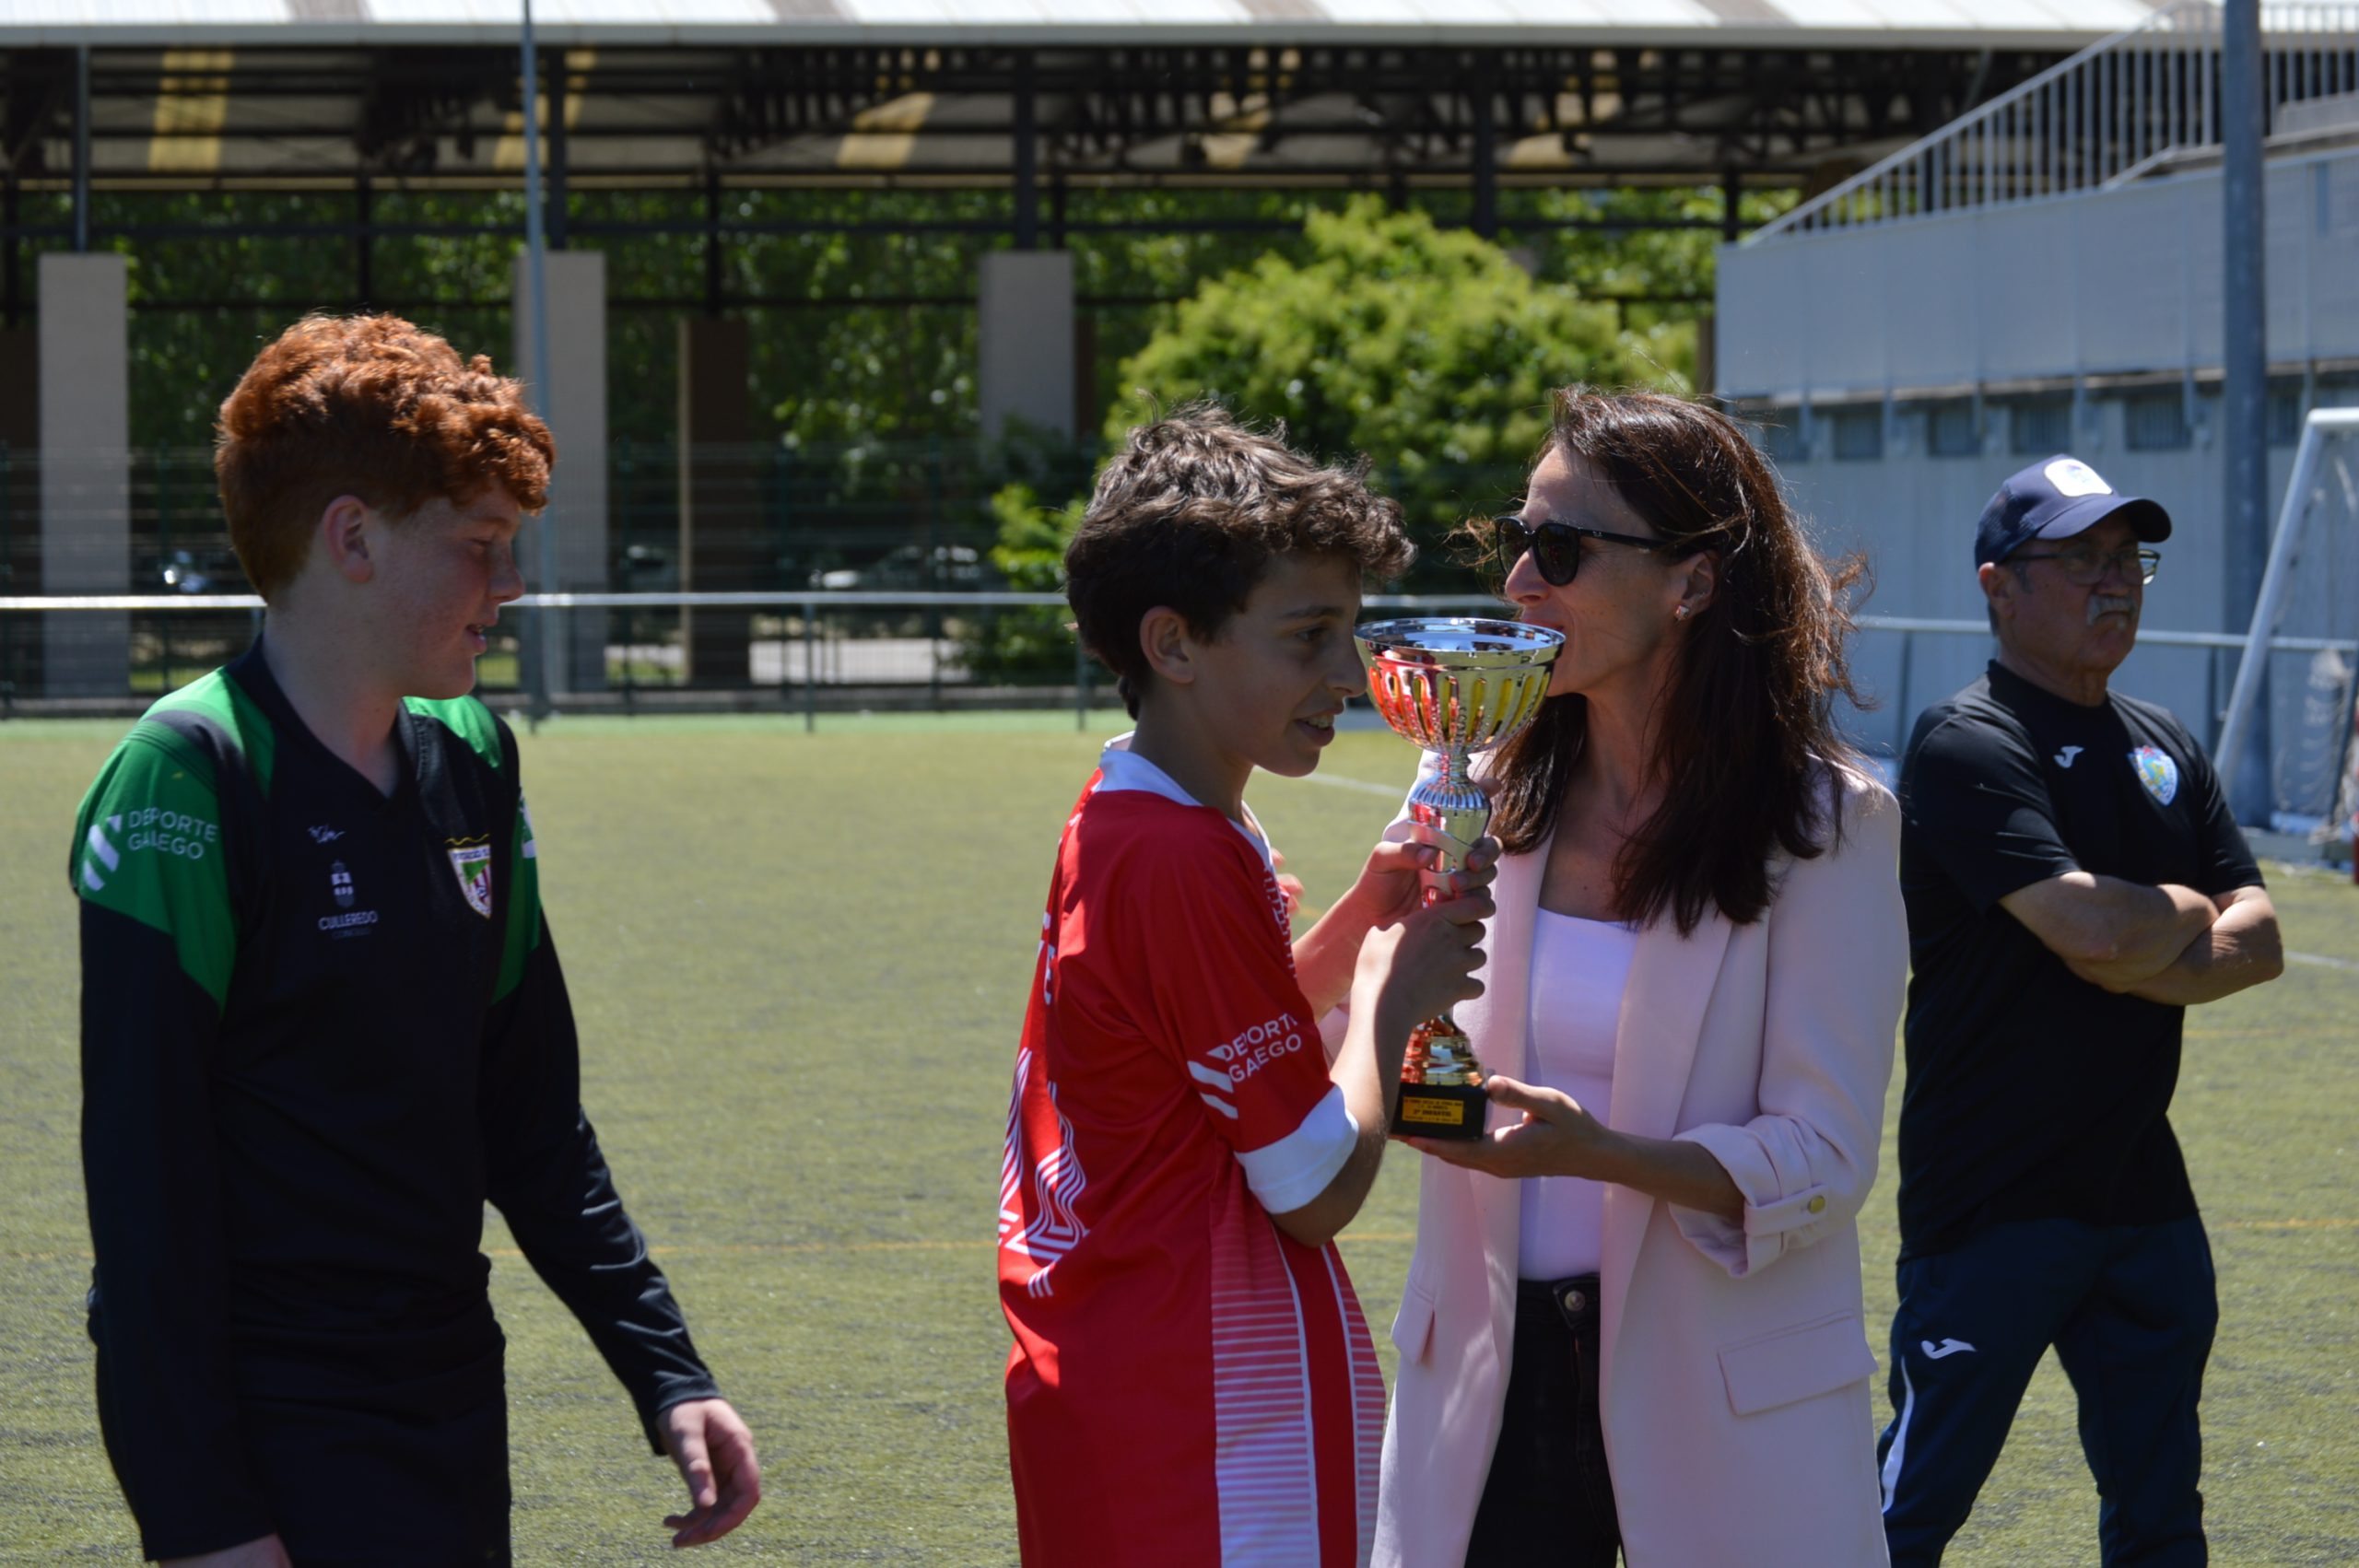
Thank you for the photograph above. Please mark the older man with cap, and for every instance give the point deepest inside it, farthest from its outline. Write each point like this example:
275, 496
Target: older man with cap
2074, 884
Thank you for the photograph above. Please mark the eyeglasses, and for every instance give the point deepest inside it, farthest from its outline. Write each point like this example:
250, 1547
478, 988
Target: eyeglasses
1556, 546
2087, 569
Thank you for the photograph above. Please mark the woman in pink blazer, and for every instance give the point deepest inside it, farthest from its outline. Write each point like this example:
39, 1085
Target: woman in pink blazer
1653, 1339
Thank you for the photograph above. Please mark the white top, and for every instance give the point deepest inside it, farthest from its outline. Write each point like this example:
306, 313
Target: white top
1297, 1168
1578, 970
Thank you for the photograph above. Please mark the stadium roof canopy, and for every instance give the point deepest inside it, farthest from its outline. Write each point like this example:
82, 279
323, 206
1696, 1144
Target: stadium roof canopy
381, 23
211, 94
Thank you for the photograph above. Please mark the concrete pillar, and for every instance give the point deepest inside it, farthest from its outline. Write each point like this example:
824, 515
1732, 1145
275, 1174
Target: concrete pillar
85, 416
20, 635
723, 547
1026, 341
575, 407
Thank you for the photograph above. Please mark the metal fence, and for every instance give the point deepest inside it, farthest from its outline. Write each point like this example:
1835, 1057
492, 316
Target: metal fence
803, 653
768, 516
816, 652
793, 517
2141, 100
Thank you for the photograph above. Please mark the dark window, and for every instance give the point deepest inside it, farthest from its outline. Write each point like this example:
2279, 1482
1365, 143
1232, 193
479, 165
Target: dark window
1952, 430
1780, 433
1859, 434
2285, 415
2041, 426
2156, 421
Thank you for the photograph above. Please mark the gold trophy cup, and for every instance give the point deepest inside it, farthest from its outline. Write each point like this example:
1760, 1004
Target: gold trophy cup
1457, 686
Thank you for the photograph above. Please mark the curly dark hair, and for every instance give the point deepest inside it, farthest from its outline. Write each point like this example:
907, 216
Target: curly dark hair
1746, 733
369, 406
1191, 513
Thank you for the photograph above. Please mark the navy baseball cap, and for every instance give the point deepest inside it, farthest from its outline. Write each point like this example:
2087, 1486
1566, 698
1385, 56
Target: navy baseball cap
2055, 499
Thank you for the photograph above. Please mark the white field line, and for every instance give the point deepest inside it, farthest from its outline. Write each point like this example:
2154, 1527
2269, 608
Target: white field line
1337, 781
2322, 961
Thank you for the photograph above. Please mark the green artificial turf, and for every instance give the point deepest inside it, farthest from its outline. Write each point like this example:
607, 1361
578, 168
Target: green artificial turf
799, 963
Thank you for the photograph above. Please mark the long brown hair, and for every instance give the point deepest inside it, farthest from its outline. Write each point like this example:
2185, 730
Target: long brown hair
1744, 734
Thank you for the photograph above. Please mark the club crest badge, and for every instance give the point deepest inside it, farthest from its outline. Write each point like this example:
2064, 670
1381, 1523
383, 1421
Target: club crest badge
472, 862
2156, 771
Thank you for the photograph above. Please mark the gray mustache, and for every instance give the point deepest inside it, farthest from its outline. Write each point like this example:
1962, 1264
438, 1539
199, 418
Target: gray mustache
2111, 603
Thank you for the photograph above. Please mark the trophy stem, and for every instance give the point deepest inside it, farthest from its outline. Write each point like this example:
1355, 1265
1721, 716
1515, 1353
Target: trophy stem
1450, 812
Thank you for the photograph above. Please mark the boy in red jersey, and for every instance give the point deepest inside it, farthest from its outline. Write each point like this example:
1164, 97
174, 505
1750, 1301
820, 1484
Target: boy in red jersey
1192, 1380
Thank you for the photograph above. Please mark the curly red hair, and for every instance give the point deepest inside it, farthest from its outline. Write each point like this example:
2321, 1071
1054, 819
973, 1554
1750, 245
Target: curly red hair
371, 406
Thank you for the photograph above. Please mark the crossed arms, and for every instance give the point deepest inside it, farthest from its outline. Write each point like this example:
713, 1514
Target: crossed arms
2170, 943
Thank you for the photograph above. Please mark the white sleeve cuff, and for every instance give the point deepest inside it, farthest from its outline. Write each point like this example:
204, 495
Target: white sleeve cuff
1775, 1221
1297, 1168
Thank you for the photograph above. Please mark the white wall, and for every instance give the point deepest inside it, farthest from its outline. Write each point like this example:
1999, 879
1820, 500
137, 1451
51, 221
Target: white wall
1914, 513
2122, 283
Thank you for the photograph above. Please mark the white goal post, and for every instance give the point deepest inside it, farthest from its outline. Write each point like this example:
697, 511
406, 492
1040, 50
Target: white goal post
2304, 492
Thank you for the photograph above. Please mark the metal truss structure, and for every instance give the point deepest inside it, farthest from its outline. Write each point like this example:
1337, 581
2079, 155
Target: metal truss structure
1024, 119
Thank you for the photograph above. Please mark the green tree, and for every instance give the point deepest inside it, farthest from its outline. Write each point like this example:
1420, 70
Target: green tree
1427, 348
864, 332
1654, 252
1372, 331
1020, 642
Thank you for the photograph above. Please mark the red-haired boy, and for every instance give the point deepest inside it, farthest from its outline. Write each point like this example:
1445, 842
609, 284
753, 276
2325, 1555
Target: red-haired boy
1191, 1381
322, 1021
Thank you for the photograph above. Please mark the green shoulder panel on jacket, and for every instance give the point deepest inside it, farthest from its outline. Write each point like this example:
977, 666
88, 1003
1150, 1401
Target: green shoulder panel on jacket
524, 929
147, 844
467, 718
222, 703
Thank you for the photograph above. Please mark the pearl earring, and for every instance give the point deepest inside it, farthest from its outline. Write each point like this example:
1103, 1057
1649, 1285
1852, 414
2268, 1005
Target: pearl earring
1681, 613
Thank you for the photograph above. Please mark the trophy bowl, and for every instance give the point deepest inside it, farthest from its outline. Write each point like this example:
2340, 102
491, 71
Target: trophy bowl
1457, 687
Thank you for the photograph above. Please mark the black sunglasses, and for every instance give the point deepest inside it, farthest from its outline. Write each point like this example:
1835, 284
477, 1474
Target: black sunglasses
1556, 546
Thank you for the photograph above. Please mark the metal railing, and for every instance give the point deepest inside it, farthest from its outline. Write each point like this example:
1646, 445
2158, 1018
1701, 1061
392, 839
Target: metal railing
758, 651
2126, 106
813, 651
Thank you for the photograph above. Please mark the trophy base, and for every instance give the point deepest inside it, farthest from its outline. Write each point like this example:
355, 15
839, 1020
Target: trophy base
1440, 1110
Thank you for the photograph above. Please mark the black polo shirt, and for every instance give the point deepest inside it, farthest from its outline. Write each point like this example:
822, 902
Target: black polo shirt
2032, 1093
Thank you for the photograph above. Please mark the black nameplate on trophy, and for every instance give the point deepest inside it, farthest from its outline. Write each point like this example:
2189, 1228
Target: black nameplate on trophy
1440, 1110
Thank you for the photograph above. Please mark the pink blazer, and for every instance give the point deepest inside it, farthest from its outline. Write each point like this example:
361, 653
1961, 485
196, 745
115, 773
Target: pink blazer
1735, 1359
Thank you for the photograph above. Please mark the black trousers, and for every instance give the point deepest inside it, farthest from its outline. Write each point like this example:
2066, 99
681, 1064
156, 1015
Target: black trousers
1549, 1500
2130, 1311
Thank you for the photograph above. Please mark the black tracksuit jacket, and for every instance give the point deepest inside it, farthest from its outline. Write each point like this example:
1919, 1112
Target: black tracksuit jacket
321, 1027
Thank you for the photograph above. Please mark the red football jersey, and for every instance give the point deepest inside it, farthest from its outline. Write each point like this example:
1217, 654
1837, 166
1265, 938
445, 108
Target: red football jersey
1188, 1384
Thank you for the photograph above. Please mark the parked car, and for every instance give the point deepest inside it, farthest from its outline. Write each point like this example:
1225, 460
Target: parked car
646, 568
189, 571
911, 569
